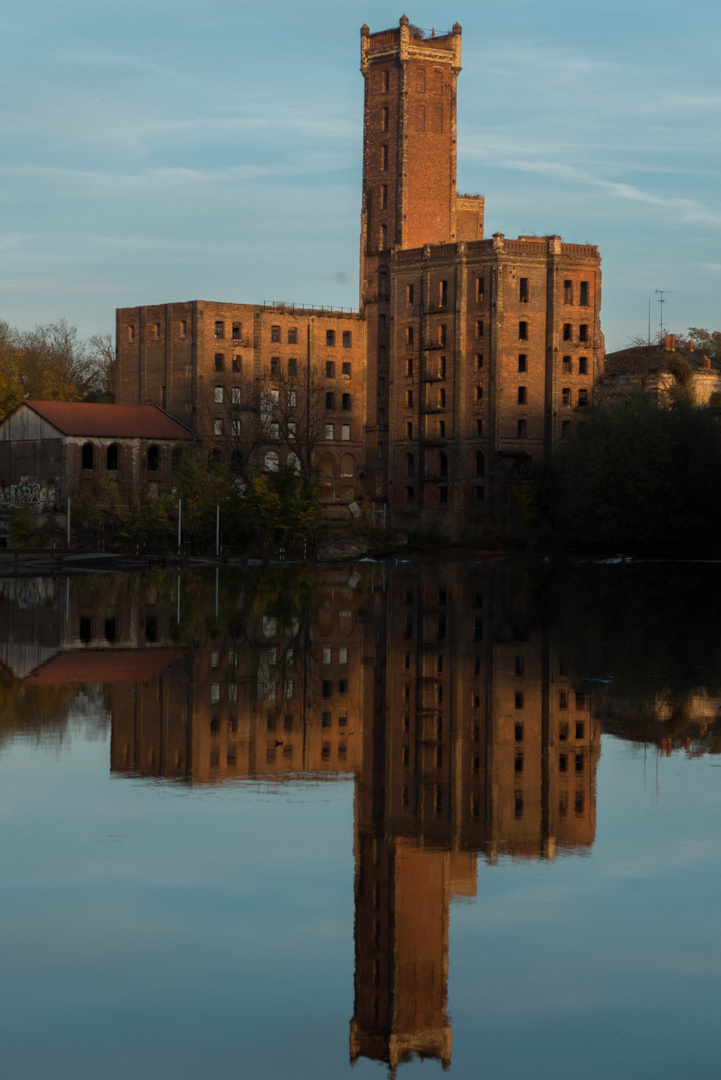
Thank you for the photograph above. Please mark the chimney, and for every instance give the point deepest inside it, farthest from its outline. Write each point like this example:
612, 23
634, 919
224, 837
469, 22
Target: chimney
690, 346
669, 343
706, 363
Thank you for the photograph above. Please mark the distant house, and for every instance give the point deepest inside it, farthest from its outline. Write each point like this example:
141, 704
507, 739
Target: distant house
658, 371
49, 450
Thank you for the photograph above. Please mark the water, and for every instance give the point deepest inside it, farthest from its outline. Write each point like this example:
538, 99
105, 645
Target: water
402, 817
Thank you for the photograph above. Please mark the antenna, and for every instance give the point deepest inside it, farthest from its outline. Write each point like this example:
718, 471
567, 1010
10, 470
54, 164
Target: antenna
661, 302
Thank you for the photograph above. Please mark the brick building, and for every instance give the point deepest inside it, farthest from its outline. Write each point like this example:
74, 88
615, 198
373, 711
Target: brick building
468, 357
51, 450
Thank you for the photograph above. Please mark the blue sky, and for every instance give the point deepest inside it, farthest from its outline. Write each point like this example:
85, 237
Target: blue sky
171, 151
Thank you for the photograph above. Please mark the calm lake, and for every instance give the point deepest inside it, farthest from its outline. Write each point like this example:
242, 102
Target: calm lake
284, 822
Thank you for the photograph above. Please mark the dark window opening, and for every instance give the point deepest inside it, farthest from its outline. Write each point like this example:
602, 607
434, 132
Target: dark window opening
583, 332
568, 292
292, 367
151, 628
345, 402
443, 293
523, 290
330, 337
85, 630
220, 330
112, 458
347, 339
153, 458
567, 331
521, 429
522, 362
236, 331
584, 294
521, 395
330, 400
523, 331
87, 456
583, 365
219, 361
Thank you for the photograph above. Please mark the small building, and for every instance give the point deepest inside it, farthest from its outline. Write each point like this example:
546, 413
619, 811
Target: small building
50, 450
661, 371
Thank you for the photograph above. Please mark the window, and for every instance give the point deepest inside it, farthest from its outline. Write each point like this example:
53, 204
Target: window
347, 470
523, 290
480, 462
441, 367
271, 461
220, 329
580, 729
275, 431
583, 365
275, 333
381, 354
347, 339
330, 369
330, 400
521, 395
112, 458
235, 332
443, 293
218, 395
409, 294
565, 428
153, 458
384, 158
566, 395
293, 335
237, 430
275, 365
479, 493
131, 333
345, 402
478, 361
442, 429
442, 494
479, 393
522, 362
520, 665
563, 704
442, 397
236, 363
442, 334
383, 202
409, 335
219, 361
382, 386
583, 398
584, 294
292, 429
217, 428
379, 450
329, 431
345, 370
567, 331
410, 494
156, 332
384, 81
568, 292
479, 328
292, 399
523, 331
518, 804
409, 429
384, 236
479, 289
567, 365
583, 332
521, 429
409, 368
384, 118
330, 337
409, 399
183, 328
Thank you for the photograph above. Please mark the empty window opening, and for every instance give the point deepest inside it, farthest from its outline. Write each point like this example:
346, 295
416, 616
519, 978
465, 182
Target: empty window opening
523, 290
236, 363
523, 331
409, 294
568, 292
220, 329
567, 366
384, 158
583, 365
584, 294
521, 429
479, 289
522, 395
583, 332
112, 458
522, 362
219, 361
443, 293
566, 395
345, 402
567, 331
87, 456
235, 333
153, 458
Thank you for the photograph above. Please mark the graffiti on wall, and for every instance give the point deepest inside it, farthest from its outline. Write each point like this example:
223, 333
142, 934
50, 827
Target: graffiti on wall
39, 497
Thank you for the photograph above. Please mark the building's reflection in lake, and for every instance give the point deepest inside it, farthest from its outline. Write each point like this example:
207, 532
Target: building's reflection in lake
448, 693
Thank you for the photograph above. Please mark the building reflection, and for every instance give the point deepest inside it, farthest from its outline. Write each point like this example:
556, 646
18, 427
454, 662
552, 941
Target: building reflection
448, 700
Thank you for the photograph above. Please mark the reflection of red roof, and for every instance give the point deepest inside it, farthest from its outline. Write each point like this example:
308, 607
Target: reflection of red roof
110, 421
105, 666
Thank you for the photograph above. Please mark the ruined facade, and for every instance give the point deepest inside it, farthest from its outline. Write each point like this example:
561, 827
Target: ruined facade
468, 357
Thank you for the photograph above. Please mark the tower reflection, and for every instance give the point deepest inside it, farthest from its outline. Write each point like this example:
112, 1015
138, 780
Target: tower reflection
441, 690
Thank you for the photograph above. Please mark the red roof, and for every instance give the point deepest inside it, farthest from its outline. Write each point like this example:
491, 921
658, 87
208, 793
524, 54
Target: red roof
111, 421
105, 666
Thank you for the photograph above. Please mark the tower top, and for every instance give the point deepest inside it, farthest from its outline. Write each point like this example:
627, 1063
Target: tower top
407, 40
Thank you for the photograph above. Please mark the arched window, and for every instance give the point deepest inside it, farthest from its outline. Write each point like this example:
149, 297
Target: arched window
480, 464
112, 458
293, 462
153, 458
410, 466
214, 459
236, 461
442, 464
347, 466
271, 461
87, 456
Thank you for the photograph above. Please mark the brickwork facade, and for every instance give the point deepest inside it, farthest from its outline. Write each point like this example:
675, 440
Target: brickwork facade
469, 358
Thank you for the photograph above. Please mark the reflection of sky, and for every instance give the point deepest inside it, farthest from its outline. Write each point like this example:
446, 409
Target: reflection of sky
155, 931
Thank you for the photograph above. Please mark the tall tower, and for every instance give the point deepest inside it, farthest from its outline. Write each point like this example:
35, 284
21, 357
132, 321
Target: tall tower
409, 138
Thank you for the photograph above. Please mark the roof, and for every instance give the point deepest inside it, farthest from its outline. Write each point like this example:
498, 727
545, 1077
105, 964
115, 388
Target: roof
105, 666
659, 356
110, 421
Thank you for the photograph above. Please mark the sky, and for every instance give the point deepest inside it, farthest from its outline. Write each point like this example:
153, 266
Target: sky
157, 151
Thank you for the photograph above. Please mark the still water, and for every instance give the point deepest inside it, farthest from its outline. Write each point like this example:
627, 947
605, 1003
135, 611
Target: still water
280, 823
